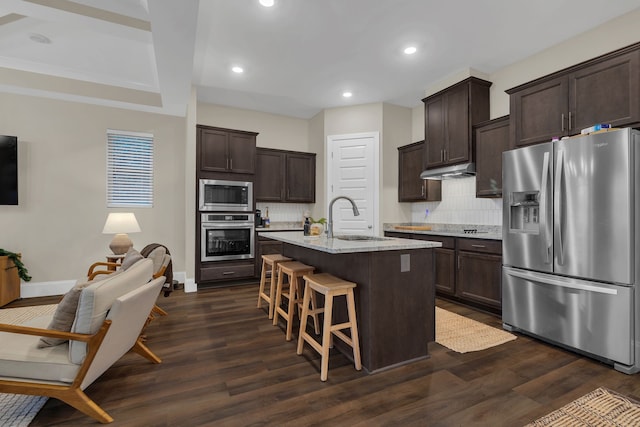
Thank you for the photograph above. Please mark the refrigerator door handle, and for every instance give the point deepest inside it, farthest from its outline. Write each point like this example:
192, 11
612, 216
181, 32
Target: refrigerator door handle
544, 220
567, 283
558, 205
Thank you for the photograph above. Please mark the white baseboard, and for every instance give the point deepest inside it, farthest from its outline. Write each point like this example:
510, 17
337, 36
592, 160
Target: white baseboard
60, 287
45, 289
190, 285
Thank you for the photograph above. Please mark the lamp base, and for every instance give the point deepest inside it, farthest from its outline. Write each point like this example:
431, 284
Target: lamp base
120, 244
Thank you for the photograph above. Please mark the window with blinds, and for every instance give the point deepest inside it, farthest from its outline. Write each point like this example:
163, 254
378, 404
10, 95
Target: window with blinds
129, 169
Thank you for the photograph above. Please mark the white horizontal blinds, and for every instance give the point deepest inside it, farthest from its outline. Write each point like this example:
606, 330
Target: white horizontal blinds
129, 169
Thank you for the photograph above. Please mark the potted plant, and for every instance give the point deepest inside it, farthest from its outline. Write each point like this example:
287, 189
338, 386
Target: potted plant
23, 273
317, 226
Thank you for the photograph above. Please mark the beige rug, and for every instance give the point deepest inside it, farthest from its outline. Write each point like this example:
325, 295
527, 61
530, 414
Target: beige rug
17, 410
464, 335
600, 408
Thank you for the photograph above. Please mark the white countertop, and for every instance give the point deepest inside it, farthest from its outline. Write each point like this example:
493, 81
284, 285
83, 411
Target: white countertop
338, 246
452, 230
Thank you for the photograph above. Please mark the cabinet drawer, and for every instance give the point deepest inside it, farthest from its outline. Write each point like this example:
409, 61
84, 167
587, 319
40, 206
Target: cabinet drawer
447, 242
227, 272
480, 245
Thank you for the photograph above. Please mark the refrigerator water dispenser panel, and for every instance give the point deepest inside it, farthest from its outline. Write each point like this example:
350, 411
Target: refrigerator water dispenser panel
525, 212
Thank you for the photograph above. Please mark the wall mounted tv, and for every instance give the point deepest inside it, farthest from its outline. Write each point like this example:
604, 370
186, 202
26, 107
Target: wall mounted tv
8, 170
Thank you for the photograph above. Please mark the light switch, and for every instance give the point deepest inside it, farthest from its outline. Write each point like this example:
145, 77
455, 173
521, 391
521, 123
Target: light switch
405, 263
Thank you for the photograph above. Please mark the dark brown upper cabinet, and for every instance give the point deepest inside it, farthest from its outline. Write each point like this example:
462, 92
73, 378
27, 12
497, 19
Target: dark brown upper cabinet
449, 116
226, 150
491, 138
285, 176
603, 90
410, 187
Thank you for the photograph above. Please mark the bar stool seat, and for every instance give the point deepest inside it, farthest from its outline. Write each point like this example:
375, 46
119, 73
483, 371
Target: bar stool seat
294, 270
329, 286
269, 265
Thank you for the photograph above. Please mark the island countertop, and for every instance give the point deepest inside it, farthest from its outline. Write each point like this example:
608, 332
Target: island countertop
339, 246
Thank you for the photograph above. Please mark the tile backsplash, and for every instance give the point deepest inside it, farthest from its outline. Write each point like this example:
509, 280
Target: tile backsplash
285, 212
459, 205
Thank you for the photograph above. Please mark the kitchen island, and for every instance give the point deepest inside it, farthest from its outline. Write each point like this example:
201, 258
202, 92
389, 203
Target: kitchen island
395, 297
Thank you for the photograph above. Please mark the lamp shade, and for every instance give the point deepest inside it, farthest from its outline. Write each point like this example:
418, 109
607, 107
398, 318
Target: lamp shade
121, 223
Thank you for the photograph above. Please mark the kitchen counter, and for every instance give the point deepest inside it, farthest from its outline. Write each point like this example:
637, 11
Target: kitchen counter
395, 294
337, 246
490, 232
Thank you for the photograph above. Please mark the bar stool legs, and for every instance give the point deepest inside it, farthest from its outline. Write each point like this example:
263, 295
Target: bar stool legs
330, 286
269, 263
295, 271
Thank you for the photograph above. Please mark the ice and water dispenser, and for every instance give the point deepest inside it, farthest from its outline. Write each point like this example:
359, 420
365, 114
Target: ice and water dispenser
525, 212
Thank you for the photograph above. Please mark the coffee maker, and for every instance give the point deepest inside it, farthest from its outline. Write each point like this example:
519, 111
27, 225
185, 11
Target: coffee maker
259, 218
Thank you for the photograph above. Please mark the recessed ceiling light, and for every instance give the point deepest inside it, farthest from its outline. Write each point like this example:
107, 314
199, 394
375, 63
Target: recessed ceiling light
267, 3
237, 70
39, 38
410, 50
347, 94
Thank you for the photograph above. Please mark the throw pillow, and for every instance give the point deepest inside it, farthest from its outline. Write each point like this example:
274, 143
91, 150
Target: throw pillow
131, 257
64, 315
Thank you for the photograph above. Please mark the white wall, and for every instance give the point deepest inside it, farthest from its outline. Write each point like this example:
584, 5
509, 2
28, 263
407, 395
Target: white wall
58, 223
615, 34
396, 132
274, 131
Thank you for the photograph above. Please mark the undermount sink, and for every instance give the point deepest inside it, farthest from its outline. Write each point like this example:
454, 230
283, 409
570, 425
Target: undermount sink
358, 237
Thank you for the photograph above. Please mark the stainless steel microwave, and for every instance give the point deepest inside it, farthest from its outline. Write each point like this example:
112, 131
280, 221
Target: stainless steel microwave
227, 196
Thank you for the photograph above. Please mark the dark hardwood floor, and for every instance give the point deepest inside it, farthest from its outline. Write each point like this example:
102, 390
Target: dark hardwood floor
224, 364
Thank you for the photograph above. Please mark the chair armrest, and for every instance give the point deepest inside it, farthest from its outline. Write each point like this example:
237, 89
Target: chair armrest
27, 330
113, 265
97, 273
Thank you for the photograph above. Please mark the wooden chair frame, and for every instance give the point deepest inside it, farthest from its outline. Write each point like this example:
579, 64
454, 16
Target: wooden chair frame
111, 268
72, 394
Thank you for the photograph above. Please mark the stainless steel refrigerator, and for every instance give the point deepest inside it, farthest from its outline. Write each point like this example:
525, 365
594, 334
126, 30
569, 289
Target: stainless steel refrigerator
571, 227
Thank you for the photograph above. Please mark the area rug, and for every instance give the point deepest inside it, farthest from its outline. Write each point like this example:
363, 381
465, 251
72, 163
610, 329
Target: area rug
463, 335
17, 410
600, 408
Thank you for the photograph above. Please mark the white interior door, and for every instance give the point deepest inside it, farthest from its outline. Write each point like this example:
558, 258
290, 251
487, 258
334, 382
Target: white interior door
353, 171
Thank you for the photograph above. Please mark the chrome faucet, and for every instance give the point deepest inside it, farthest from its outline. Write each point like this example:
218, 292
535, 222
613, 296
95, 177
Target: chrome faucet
330, 225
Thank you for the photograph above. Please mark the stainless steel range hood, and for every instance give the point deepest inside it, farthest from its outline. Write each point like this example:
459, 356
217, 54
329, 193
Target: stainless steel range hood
463, 170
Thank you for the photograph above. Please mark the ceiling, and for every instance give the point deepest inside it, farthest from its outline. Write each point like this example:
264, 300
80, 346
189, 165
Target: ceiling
298, 56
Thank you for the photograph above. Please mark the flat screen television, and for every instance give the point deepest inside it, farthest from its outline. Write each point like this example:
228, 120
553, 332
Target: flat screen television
8, 170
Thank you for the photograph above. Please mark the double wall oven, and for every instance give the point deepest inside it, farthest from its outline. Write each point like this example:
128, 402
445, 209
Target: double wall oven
227, 220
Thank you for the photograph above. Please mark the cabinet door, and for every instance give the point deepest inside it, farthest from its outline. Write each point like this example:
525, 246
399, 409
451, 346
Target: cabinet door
445, 270
242, 153
458, 141
213, 150
410, 187
479, 278
434, 131
300, 178
606, 92
490, 139
540, 112
269, 182
266, 247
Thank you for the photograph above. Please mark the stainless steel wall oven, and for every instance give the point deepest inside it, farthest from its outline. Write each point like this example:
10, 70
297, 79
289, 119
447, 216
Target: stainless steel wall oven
227, 236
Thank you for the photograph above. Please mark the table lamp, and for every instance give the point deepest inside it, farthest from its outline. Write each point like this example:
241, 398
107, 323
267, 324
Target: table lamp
120, 224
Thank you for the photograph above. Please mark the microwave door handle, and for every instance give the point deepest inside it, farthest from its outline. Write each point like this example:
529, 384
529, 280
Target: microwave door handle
558, 205
543, 214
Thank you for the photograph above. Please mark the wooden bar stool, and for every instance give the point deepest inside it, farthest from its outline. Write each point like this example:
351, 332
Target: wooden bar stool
295, 271
329, 286
269, 265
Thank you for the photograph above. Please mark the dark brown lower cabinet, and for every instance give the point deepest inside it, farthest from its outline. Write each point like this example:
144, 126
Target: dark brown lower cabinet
479, 273
265, 246
466, 270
